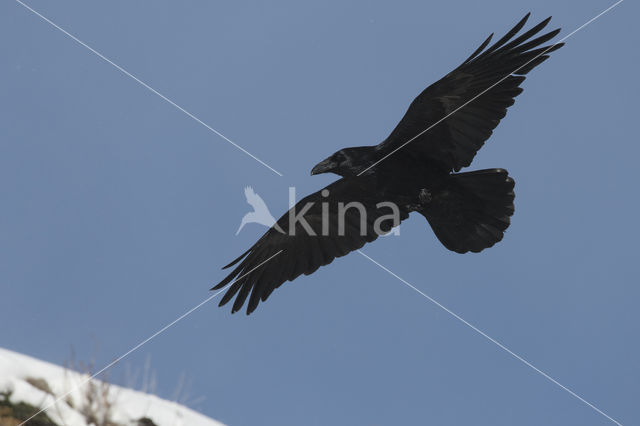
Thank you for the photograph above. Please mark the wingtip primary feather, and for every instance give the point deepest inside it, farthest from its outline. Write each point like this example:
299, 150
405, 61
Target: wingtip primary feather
513, 44
479, 49
236, 260
523, 21
505, 38
554, 47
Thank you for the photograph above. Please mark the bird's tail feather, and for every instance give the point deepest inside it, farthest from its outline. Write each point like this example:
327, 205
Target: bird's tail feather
472, 211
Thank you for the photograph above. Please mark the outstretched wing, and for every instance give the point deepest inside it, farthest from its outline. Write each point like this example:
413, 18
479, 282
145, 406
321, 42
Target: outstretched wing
301, 249
493, 77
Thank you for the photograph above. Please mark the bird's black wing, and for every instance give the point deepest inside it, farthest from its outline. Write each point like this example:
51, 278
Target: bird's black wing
493, 76
280, 256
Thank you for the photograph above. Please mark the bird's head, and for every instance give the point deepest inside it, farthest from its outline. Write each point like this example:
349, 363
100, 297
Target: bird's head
346, 162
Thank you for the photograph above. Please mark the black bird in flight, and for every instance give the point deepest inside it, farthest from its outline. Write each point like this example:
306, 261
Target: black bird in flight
413, 169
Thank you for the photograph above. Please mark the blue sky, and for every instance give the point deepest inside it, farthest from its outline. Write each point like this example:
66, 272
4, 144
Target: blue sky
118, 210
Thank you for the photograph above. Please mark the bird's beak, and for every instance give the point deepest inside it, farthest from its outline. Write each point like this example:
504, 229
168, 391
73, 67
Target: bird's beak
323, 167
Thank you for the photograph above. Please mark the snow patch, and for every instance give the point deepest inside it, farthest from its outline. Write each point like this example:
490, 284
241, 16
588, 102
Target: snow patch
17, 371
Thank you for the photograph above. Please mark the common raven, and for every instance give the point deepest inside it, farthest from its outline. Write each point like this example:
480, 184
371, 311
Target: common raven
412, 169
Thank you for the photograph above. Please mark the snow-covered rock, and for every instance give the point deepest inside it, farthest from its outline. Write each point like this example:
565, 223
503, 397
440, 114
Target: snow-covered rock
43, 384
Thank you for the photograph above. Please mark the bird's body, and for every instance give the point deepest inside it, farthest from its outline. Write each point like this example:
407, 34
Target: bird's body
415, 169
